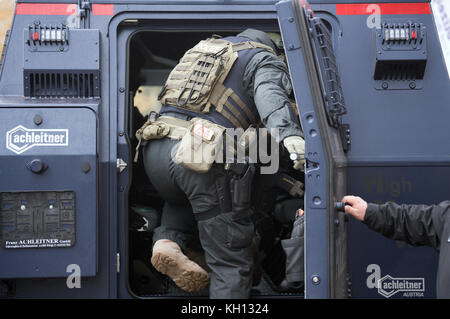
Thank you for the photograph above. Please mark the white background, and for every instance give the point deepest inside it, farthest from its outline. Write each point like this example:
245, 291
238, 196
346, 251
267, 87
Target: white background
441, 11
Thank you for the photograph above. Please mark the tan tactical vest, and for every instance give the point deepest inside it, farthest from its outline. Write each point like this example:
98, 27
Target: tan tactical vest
197, 82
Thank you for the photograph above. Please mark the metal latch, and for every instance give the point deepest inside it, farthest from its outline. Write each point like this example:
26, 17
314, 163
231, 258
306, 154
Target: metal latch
121, 165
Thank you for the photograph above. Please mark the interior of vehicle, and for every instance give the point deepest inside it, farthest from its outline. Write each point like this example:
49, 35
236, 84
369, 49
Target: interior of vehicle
152, 55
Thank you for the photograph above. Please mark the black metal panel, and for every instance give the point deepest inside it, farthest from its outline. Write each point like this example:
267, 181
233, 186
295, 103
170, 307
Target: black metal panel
48, 189
401, 55
64, 83
61, 62
37, 219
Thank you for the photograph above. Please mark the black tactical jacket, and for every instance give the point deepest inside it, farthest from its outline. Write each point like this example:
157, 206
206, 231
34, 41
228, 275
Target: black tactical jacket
418, 225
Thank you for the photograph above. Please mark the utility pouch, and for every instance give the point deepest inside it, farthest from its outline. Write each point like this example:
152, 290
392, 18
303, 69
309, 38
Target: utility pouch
294, 249
241, 190
152, 129
200, 145
155, 130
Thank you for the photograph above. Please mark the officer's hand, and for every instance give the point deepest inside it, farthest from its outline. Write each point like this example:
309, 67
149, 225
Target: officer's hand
357, 207
296, 148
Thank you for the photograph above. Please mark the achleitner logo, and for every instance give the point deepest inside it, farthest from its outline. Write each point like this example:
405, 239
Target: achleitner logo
21, 139
389, 286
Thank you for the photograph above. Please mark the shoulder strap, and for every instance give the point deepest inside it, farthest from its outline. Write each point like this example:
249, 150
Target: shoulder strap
251, 45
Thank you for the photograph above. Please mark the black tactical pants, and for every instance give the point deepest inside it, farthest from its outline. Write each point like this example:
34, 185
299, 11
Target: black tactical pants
225, 237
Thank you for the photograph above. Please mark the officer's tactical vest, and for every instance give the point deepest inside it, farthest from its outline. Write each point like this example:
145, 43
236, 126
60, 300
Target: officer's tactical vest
208, 82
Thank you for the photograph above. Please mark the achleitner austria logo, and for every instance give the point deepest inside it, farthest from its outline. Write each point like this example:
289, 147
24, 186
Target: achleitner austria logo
389, 286
21, 139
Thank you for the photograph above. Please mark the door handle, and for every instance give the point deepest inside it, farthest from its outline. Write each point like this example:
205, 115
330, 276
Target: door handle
340, 206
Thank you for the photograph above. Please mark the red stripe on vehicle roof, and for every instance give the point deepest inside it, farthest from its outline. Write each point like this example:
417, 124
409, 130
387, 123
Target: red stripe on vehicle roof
385, 8
103, 9
63, 9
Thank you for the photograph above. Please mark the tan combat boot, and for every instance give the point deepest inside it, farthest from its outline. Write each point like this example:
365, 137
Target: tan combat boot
168, 259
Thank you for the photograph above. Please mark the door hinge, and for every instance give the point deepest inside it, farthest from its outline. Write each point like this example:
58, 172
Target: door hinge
84, 11
118, 262
121, 165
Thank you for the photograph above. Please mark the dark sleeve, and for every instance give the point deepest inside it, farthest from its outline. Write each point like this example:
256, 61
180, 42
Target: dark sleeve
417, 225
267, 80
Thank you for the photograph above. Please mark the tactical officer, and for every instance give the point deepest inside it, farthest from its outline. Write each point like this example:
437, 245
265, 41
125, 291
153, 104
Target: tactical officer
232, 82
418, 225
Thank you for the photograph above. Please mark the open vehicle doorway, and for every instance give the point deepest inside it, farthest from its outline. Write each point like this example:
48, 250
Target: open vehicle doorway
151, 57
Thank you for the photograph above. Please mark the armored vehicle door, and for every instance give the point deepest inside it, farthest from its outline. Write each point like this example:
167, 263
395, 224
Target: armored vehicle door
308, 42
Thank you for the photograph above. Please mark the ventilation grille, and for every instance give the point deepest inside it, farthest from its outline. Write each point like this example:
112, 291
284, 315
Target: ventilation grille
400, 70
62, 84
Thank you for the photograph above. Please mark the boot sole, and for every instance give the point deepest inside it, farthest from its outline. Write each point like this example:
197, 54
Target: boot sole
187, 279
